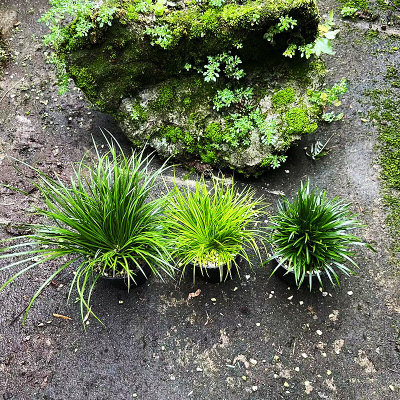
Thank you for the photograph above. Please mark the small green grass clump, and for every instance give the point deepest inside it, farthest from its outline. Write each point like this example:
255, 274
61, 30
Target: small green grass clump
313, 235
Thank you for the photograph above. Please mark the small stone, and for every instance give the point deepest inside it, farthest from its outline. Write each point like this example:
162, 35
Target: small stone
301, 302
286, 384
134, 395
350, 293
290, 298
324, 294
258, 324
121, 302
319, 332
391, 387
213, 299
198, 369
323, 354
27, 338
297, 369
304, 355
244, 377
253, 361
247, 277
254, 388
329, 372
162, 348
235, 288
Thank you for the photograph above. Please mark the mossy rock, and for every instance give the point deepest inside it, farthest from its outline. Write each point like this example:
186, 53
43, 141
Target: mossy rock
148, 69
175, 129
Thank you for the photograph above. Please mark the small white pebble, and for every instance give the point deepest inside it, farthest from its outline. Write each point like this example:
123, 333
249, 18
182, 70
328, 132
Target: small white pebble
304, 355
286, 384
258, 324
323, 354
198, 369
297, 369
253, 361
290, 298
247, 277
301, 302
350, 293
319, 332
324, 294
254, 388
328, 372
272, 292
213, 299
121, 302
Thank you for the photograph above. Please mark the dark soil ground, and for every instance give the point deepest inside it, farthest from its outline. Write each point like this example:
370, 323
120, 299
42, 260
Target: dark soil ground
253, 338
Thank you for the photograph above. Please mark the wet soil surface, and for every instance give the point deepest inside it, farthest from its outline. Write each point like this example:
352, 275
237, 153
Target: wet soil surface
254, 338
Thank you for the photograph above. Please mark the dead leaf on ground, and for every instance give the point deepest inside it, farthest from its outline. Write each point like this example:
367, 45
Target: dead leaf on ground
62, 317
193, 294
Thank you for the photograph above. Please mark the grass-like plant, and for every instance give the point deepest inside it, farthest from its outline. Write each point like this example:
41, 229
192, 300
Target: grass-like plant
103, 222
210, 227
312, 235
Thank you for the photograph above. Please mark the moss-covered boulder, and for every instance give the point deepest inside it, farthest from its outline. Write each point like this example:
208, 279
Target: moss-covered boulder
199, 79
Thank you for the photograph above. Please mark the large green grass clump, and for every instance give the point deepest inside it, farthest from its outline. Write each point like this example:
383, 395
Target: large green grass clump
103, 222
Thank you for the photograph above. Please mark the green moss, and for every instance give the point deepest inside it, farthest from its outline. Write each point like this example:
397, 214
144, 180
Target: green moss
359, 4
214, 133
298, 122
138, 113
283, 97
175, 134
208, 156
387, 115
372, 33
187, 102
84, 79
171, 133
3, 54
165, 97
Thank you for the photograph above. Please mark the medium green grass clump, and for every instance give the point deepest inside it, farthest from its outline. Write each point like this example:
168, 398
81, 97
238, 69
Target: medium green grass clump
103, 222
313, 235
213, 226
